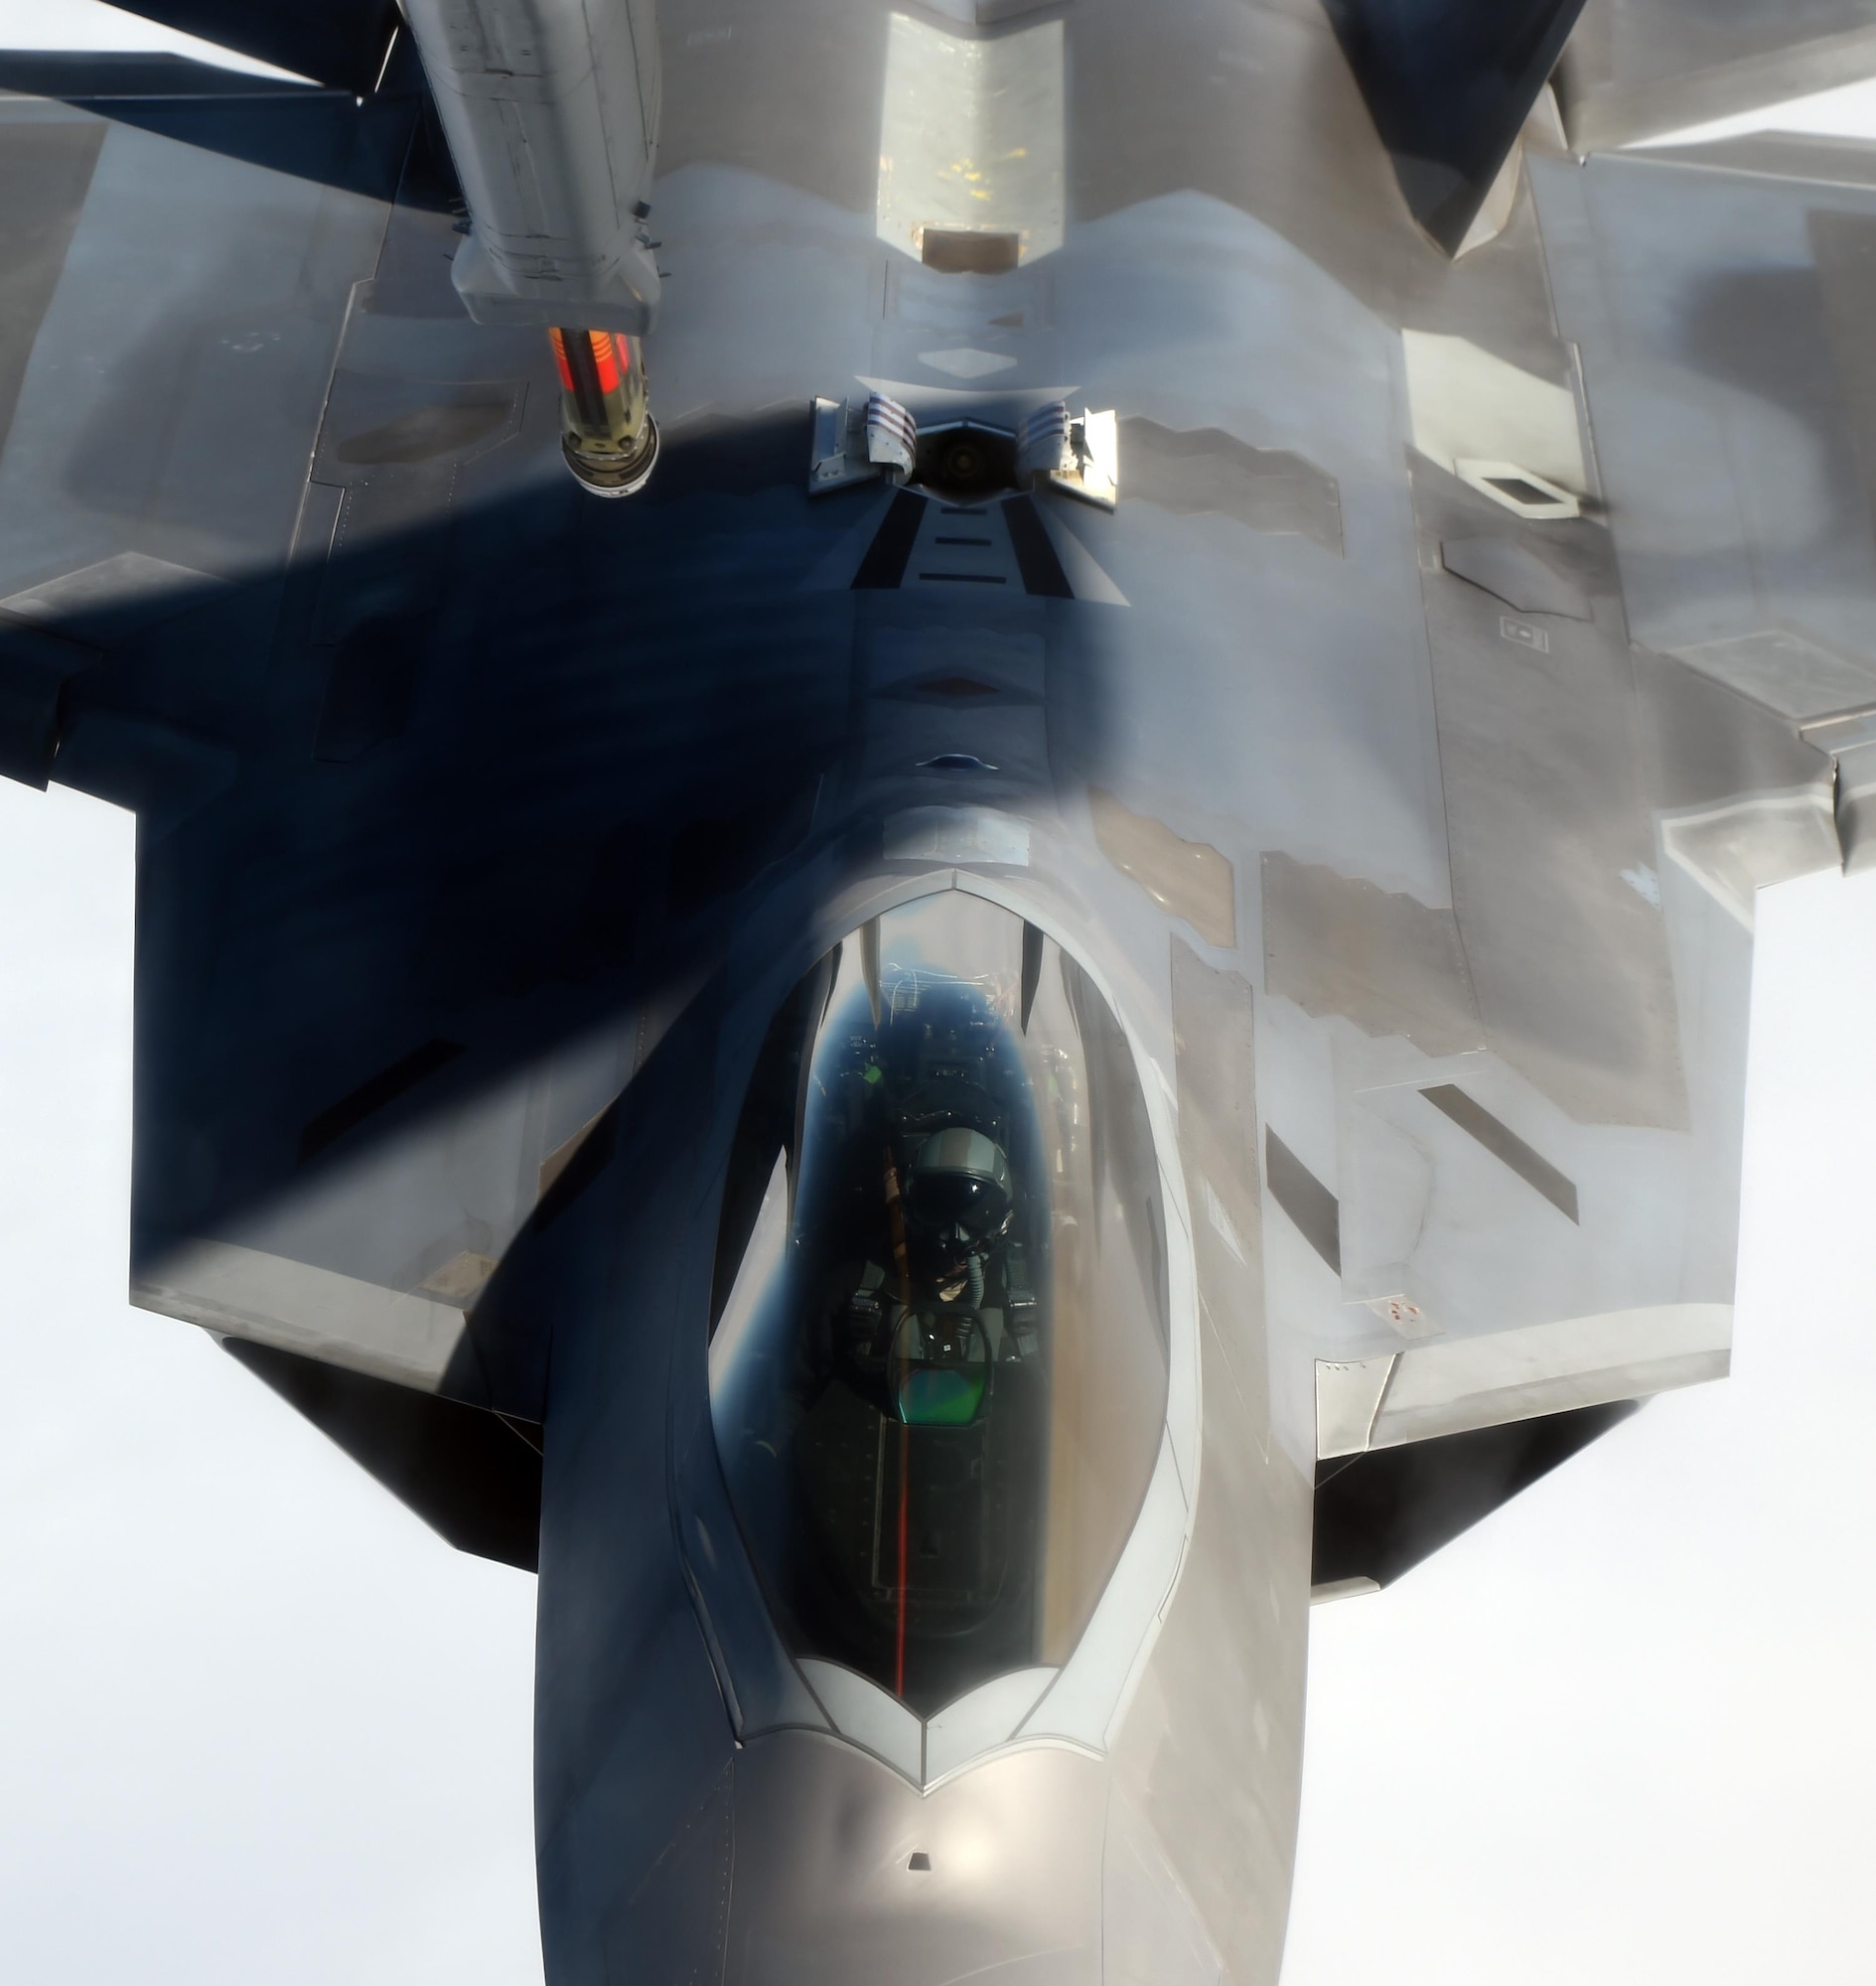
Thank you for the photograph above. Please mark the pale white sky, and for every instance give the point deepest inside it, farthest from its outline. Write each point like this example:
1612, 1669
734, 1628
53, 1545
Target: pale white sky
1625, 1730
258, 1725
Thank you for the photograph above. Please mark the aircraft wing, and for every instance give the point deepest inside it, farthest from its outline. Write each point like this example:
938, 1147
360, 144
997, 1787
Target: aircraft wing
1714, 303
398, 866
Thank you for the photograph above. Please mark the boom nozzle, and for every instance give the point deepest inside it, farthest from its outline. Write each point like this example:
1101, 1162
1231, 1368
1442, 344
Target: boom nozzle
607, 432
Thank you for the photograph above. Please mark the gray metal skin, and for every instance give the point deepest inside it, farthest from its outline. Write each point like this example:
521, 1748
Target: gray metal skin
1332, 825
1639, 67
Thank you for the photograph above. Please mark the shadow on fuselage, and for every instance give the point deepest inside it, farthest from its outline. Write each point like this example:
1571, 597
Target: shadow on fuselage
411, 814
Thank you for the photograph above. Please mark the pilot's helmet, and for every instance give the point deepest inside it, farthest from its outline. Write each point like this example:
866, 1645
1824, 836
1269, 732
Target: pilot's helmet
957, 1192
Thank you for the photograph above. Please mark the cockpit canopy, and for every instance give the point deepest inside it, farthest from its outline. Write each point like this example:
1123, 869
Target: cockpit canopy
937, 1371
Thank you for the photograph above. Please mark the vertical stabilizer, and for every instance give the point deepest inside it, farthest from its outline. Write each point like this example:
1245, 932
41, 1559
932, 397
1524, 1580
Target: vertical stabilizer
1449, 85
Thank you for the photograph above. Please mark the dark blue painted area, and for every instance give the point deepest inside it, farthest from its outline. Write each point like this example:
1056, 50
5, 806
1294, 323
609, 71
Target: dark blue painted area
1449, 83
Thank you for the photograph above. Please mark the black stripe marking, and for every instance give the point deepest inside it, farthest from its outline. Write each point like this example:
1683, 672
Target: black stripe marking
884, 566
1304, 1197
1504, 1145
1035, 555
594, 1155
371, 1095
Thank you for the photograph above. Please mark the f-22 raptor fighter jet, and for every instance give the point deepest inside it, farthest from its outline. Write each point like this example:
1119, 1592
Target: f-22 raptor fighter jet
947, 815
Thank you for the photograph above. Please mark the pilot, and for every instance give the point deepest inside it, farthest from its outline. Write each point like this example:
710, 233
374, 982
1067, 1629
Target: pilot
958, 1210
965, 1290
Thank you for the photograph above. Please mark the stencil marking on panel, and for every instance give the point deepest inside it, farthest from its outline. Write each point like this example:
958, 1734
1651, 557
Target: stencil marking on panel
1304, 1197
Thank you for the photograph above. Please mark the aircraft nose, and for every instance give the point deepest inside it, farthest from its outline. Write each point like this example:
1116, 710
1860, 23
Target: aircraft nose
848, 1876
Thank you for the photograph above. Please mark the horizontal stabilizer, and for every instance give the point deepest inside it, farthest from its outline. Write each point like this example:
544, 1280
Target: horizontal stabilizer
1379, 1515
471, 1476
1449, 85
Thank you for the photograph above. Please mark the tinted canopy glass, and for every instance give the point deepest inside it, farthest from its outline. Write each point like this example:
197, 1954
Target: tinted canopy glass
939, 1374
